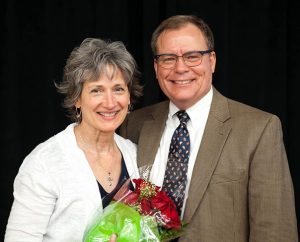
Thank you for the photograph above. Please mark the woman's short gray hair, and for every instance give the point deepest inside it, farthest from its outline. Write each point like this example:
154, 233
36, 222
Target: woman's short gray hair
88, 61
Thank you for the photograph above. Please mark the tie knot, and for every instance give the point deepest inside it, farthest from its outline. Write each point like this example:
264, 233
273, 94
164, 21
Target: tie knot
183, 116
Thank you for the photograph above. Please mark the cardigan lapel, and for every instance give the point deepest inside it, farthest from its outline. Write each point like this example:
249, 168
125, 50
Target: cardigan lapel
77, 161
150, 135
214, 138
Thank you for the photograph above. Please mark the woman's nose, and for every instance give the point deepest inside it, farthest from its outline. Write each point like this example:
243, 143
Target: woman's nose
110, 100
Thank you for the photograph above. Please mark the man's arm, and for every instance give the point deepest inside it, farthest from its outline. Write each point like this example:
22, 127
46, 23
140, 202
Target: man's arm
271, 195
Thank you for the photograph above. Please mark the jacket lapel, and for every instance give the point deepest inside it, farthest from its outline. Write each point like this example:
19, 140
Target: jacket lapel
150, 135
214, 138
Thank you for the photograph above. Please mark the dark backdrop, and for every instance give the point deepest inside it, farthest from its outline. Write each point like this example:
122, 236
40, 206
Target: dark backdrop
257, 46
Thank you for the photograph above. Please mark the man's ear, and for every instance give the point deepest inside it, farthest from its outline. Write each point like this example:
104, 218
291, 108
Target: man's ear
155, 67
213, 61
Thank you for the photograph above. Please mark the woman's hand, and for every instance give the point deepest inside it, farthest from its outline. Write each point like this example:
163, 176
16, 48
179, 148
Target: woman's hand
113, 238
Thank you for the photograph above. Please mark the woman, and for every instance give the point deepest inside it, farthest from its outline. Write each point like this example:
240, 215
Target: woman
64, 180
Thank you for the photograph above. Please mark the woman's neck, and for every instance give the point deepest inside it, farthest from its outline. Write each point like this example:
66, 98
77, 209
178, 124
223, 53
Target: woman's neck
102, 153
95, 141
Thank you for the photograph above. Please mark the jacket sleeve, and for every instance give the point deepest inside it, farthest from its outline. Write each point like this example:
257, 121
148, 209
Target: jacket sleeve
34, 201
271, 195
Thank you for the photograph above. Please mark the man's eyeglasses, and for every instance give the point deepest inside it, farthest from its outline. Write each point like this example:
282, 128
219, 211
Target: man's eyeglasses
192, 58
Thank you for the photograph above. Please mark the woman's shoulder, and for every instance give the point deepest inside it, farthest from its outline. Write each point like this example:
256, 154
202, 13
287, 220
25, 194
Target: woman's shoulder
54, 142
49, 151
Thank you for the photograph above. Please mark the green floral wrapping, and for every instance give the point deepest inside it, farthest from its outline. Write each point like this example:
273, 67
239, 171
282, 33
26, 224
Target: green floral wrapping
146, 214
117, 218
126, 222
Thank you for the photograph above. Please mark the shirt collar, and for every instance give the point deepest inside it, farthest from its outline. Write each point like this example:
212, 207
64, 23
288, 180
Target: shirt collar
194, 111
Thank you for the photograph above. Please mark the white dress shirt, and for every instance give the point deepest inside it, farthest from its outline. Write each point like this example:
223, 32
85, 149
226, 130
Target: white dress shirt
55, 191
198, 114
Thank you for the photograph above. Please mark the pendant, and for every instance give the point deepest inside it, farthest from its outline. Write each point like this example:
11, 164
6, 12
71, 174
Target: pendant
109, 179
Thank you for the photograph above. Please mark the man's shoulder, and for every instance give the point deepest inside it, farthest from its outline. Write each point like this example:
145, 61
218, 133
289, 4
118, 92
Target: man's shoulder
226, 107
249, 116
237, 107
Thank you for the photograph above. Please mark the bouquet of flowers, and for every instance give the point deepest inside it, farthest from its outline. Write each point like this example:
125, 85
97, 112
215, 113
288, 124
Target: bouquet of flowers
145, 214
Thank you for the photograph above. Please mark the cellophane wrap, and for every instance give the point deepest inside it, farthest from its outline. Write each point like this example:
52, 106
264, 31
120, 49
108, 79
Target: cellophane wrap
144, 214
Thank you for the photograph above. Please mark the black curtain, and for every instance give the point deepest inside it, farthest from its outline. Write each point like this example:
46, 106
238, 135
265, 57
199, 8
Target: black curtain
257, 46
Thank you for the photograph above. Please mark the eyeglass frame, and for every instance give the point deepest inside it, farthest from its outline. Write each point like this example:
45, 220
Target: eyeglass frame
202, 52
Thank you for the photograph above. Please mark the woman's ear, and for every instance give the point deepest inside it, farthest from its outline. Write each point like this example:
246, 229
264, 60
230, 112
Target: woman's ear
77, 103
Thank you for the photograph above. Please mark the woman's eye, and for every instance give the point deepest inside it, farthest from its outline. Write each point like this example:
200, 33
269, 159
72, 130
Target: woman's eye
119, 89
95, 91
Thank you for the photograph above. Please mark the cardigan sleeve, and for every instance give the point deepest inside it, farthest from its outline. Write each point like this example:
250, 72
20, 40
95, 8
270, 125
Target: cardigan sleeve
34, 202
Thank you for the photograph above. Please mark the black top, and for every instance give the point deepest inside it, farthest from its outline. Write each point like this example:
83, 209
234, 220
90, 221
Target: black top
107, 197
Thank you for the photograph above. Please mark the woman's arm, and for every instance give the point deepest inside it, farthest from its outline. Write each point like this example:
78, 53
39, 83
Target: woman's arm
33, 205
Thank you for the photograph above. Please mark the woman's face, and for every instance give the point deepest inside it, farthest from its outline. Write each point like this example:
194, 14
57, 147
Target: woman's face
104, 102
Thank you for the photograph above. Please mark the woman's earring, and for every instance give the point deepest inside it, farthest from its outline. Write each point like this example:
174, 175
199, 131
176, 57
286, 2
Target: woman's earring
78, 114
129, 108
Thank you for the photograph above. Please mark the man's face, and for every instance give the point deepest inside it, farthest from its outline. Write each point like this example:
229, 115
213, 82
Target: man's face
184, 85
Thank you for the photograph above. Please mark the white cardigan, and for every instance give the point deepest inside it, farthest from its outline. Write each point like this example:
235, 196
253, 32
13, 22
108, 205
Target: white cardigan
55, 191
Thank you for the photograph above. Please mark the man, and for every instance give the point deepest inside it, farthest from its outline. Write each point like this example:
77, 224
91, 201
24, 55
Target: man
238, 185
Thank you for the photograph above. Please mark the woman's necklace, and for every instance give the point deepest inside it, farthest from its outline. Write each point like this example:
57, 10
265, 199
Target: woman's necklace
108, 178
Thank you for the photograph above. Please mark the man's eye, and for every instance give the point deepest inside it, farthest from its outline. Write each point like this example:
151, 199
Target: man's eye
169, 59
192, 57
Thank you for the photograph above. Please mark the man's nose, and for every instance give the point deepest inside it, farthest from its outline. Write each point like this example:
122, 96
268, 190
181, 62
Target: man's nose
180, 65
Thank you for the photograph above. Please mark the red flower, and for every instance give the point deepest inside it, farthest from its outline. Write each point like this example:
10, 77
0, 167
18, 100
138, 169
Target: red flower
138, 183
151, 201
144, 188
167, 207
145, 206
